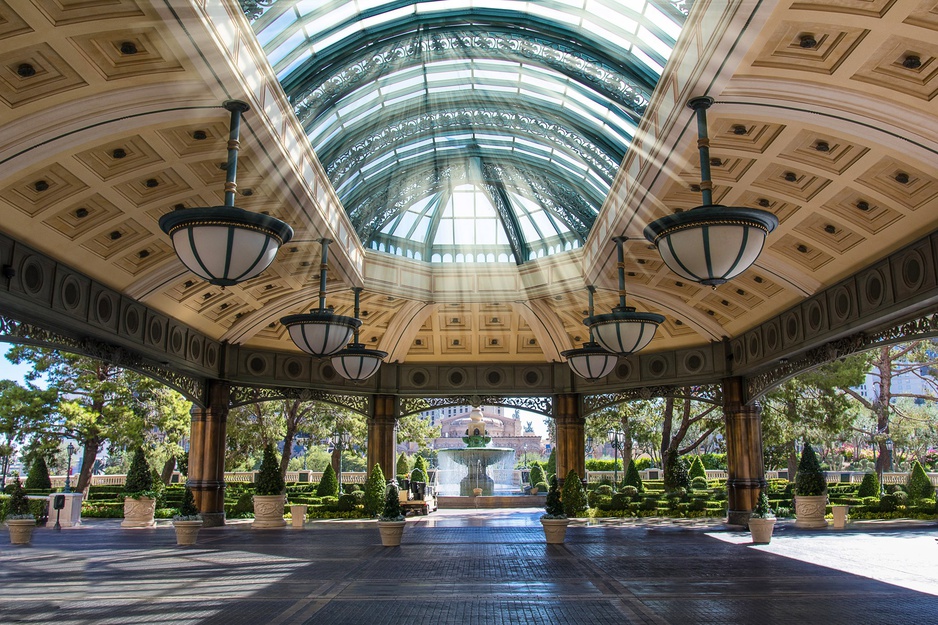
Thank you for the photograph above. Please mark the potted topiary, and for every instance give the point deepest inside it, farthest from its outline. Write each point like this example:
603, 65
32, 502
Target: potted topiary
139, 496
20, 520
554, 521
762, 521
391, 522
188, 521
268, 493
573, 496
810, 491
374, 492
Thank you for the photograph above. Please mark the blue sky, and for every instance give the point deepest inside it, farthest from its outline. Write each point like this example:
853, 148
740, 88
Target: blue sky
9, 371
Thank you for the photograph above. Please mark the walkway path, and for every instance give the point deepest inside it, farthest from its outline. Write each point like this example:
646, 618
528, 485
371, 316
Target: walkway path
474, 567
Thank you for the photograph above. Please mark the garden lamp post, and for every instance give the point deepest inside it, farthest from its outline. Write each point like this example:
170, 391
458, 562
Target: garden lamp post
68, 472
341, 440
889, 448
616, 439
589, 446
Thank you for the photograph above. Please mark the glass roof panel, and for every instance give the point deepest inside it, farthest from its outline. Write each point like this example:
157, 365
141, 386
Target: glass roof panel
469, 128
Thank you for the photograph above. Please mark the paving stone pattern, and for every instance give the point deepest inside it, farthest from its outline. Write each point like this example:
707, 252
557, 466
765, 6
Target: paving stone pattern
448, 570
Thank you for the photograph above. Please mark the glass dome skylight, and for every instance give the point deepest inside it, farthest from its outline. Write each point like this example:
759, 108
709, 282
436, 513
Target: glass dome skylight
469, 130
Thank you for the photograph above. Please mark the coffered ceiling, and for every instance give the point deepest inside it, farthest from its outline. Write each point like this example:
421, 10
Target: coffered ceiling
110, 117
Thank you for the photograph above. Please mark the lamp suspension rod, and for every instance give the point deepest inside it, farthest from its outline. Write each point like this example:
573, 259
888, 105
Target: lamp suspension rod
620, 255
357, 291
700, 106
591, 290
323, 268
237, 108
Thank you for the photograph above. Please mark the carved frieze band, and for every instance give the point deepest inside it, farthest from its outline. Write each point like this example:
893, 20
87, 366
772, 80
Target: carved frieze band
244, 395
16, 331
922, 327
706, 393
411, 405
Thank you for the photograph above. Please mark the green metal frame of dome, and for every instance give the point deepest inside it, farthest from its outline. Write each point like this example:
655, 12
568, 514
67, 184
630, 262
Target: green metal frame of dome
532, 103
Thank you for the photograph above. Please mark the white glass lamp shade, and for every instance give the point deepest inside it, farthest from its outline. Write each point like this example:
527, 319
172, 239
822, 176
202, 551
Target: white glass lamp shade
320, 333
711, 244
591, 361
357, 363
623, 331
225, 245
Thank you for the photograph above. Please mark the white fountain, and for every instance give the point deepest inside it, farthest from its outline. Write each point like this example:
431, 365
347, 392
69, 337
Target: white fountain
476, 469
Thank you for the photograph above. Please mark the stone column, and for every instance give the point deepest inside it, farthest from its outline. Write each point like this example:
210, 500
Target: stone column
746, 473
382, 438
570, 436
207, 454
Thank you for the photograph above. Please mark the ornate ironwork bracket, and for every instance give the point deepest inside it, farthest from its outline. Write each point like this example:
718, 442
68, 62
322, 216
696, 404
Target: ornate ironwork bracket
923, 327
412, 405
15, 331
244, 395
705, 393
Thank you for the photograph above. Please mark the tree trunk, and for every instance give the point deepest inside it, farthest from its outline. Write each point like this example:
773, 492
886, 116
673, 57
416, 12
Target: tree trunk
287, 450
89, 453
166, 475
792, 461
627, 438
336, 458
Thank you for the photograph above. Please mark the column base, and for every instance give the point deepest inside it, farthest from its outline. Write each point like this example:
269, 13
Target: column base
738, 517
213, 519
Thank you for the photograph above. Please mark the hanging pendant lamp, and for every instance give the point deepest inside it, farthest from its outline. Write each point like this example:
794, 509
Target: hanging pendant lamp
321, 332
357, 362
712, 243
591, 361
623, 331
226, 245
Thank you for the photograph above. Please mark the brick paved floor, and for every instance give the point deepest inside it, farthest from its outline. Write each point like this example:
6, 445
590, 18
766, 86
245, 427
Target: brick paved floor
468, 567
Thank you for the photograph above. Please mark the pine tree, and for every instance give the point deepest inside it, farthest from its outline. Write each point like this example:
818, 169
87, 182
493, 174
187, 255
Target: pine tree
18, 506
919, 486
269, 481
574, 496
551, 467
419, 474
697, 469
554, 506
188, 509
374, 492
632, 477
329, 484
139, 482
869, 487
810, 480
403, 465
38, 476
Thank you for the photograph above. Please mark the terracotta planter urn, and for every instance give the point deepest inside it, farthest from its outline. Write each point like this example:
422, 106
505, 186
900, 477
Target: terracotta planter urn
21, 530
391, 532
298, 514
187, 532
555, 530
809, 511
268, 512
761, 530
139, 512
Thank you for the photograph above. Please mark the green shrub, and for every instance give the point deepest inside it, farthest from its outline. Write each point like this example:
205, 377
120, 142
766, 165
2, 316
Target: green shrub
542, 487
869, 487
348, 502
574, 496
919, 486
699, 483
553, 507
604, 489
810, 480
419, 473
621, 501
329, 484
18, 505
268, 480
38, 476
188, 509
650, 503
537, 475
632, 478
698, 505
403, 467
139, 482
629, 491
392, 504
697, 469
902, 497
675, 473
374, 491
888, 503
245, 504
